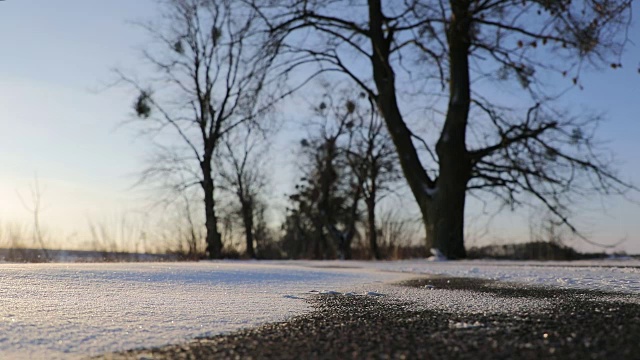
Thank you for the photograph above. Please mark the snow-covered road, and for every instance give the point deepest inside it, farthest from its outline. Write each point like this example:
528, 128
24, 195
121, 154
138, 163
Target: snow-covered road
606, 275
68, 310
74, 310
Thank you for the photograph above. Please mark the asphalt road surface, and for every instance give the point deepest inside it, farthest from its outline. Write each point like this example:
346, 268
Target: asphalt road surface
578, 324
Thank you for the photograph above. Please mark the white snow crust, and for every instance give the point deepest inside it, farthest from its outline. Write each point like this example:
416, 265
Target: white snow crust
604, 275
68, 311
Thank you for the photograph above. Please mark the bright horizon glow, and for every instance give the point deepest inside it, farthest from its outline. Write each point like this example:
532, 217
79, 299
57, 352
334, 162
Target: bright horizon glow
59, 123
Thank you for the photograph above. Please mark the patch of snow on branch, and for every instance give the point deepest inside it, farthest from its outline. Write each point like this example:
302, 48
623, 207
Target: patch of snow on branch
430, 191
436, 255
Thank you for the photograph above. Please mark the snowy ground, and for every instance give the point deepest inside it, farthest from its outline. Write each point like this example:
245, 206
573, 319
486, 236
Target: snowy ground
69, 310
74, 310
607, 275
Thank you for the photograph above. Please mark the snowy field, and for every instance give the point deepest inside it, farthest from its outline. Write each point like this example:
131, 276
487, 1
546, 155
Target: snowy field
74, 310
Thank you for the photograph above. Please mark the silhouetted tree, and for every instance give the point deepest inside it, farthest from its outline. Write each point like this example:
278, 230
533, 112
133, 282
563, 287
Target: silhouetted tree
266, 238
372, 159
325, 203
242, 175
34, 207
402, 47
211, 63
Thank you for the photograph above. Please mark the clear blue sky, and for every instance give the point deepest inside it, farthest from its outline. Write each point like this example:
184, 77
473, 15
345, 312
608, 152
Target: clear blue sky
55, 54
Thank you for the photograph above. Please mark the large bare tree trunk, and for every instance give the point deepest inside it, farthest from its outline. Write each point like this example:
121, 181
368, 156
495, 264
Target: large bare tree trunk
213, 238
350, 231
247, 219
384, 77
372, 231
442, 201
214, 242
445, 223
320, 241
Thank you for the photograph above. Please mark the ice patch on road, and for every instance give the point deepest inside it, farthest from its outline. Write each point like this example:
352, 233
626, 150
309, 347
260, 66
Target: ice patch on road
349, 293
292, 297
465, 302
465, 325
330, 292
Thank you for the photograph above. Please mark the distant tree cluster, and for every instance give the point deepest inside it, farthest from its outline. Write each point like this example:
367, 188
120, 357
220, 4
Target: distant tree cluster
349, 163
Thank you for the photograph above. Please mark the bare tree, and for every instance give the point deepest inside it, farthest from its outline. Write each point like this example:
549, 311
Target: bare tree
326, 203
372, 159
266, 241
353, 145
35, 208
211, 64
402, 47
242, 176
